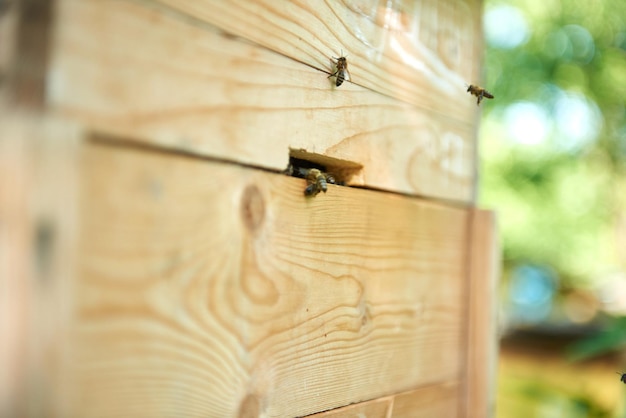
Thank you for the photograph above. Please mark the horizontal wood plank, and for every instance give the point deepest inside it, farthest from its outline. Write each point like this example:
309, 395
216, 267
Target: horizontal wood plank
146, 72
208, 289
433, 401
422, 52
377, 408
440, 400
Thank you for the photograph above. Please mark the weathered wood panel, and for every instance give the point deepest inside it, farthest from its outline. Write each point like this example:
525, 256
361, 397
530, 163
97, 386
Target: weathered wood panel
422, 52
215, 290
146, 72
482, 349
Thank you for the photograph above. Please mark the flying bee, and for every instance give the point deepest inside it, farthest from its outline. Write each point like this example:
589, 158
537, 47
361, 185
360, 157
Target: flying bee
342, 72
479, 92
622, 377
317, 182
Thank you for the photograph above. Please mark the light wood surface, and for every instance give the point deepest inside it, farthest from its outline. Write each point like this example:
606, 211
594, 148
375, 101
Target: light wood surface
377, 408
145, 72
440, 400
215, 290
482, 346
422, 52
153, 261
38, 186
432, 401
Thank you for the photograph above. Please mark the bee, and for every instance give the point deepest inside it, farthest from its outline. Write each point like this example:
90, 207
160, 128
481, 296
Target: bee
342, 72
479, 92
622, 377
317, 182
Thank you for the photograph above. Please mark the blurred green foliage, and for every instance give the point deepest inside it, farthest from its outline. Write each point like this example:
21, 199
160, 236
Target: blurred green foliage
612, 336
558, 195
553, 157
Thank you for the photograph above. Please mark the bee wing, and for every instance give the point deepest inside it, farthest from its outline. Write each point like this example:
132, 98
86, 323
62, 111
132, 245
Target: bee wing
346, 75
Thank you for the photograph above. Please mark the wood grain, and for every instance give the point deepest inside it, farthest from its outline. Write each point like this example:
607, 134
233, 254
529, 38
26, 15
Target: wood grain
377, 408
432, 401
214, 290
482, 351
422, 52
142, 71
440, 400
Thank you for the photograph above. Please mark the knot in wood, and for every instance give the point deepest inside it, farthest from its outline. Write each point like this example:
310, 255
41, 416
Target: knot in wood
250, 407
252, 208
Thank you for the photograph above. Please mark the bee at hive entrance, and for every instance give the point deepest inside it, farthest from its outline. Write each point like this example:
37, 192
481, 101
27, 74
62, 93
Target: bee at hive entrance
342, 72
315, 175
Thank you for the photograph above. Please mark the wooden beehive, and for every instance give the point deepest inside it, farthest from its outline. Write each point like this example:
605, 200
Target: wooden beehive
157, 262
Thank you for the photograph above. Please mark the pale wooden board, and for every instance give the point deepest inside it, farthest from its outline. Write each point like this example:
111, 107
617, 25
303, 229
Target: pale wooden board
377, 408
422, 52
432, 401
209, 289
440, 400
37, 245
16, 285
482, 333
157, 76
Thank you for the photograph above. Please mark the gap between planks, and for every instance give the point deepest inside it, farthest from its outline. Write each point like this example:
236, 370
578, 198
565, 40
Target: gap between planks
110, 140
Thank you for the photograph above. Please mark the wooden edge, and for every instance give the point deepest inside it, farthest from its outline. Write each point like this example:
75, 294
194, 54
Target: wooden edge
377, 408
438, 400
37, 232
484, 253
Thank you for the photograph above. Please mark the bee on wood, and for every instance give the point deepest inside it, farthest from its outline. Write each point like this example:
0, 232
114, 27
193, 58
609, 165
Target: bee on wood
479, 92
622, 377
342, 72
317, 182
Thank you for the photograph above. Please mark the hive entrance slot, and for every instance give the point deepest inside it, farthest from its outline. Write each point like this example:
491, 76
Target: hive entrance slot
345, 173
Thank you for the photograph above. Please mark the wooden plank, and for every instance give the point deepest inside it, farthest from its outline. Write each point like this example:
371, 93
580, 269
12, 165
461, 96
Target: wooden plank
482, 348
422, 52
16, 293
209, 289
440, 400
142, 71
432, 401
37, 238
377, 408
